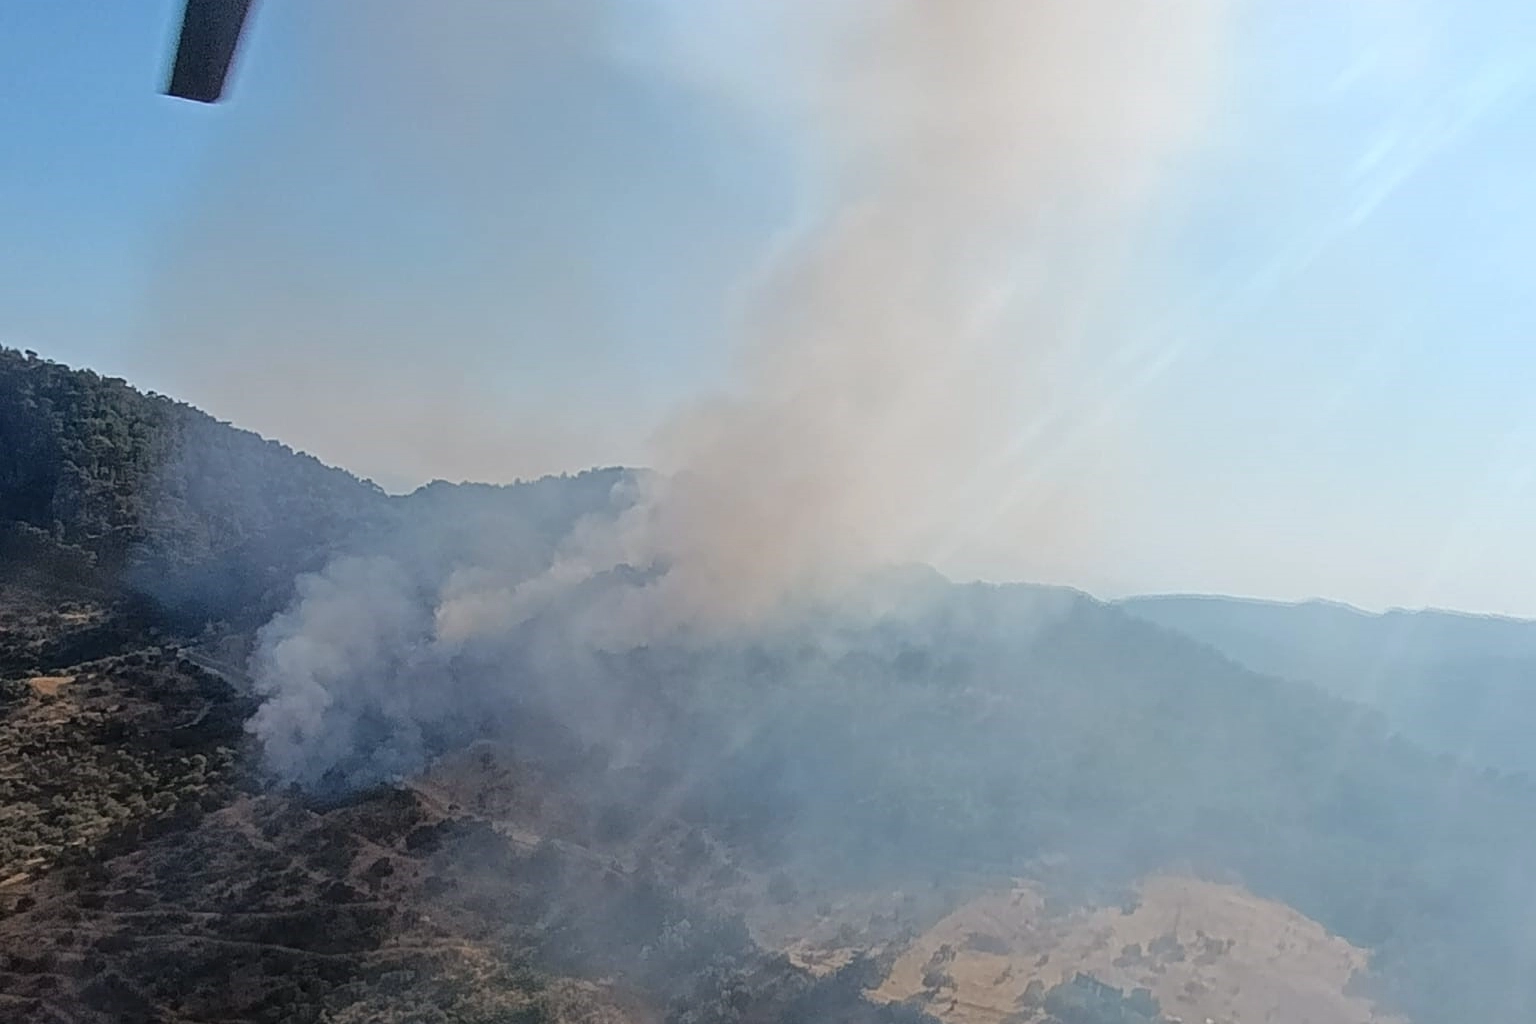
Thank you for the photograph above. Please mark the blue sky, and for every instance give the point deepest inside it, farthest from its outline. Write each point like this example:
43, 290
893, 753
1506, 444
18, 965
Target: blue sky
422, 267
93, 166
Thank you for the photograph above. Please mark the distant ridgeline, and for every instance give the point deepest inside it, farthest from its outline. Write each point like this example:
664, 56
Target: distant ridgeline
104, 485
1460, 684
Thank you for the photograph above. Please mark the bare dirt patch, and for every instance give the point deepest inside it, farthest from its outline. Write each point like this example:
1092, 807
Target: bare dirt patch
1206, 951
49, 686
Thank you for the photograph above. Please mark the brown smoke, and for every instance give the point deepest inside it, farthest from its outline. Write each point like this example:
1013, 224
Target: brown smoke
974, 173
986, 162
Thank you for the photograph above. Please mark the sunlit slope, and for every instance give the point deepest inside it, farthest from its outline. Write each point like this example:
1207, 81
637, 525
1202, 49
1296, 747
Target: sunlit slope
1206, 951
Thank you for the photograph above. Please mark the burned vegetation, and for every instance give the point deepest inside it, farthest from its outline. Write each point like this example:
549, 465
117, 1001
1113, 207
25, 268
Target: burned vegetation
148, 873
389, 907
107, 751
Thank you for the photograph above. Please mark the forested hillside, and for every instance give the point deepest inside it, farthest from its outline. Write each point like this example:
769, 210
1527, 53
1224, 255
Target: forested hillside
103, 484
114, 485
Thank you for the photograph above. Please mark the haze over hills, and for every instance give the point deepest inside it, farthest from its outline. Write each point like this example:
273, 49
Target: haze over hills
860, 284
1461, 684
908, 735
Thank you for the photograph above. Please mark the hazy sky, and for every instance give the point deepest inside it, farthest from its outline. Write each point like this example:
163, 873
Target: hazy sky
456, 244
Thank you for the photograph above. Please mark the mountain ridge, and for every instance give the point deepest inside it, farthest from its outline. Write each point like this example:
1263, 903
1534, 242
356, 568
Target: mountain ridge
1157, 597
930, 738
1453, 681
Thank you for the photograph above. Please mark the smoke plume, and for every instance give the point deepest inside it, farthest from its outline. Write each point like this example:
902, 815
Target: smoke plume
974, 172
885, 357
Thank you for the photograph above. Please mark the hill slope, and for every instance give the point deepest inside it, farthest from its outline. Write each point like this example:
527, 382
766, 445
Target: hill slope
929, 738
1462, 684
104, 485
973, 733
1204, 951
118, 484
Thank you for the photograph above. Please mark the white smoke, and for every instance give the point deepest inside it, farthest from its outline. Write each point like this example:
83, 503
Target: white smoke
979, 168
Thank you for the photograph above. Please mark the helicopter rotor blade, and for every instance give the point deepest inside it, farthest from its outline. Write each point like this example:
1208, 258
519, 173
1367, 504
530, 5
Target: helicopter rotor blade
210, 34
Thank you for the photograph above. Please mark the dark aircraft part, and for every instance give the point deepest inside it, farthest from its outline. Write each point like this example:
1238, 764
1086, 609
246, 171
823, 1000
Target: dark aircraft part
210, 32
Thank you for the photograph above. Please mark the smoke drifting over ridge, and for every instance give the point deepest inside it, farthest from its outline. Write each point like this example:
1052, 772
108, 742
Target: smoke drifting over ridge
886, 354
978, 168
